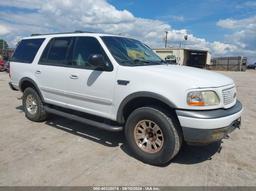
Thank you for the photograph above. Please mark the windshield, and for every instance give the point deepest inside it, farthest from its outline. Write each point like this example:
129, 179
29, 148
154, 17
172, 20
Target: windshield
130, 52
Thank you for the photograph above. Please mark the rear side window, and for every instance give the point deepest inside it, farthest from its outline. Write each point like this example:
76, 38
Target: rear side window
26, 50
57, 51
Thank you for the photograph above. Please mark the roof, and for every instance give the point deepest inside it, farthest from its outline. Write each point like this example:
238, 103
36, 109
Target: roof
67, 34
62, 33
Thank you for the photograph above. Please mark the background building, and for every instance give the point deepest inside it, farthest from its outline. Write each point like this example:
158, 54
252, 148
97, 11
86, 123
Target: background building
188, 57
235, 63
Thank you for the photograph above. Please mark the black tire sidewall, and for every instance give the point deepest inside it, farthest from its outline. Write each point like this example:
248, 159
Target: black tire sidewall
166, 125
39, 115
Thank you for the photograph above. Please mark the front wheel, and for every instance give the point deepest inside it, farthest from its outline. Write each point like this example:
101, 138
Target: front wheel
152, 136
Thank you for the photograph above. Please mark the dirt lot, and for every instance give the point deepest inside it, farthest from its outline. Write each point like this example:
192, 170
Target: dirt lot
63, 152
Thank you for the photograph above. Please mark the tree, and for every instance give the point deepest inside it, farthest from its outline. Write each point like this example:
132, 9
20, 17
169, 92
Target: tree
4, 49
3, 45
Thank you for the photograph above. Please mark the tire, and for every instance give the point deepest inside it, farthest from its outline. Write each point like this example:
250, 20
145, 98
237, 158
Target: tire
33, 105
161, 153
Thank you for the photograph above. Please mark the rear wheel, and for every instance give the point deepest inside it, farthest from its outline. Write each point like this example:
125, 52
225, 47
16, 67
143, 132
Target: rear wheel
33, 105
152, 135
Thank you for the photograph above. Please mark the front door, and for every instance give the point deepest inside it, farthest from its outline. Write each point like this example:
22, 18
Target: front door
89, 89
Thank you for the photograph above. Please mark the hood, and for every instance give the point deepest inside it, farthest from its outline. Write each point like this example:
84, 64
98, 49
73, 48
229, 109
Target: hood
192, 77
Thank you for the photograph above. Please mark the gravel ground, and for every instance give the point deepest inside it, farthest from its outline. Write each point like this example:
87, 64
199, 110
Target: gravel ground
62, 152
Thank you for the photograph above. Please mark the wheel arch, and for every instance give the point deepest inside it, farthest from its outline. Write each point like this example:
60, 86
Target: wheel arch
140, 99
28, 82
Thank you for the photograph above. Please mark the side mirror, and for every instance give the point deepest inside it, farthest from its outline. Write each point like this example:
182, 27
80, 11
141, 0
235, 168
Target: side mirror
98, 61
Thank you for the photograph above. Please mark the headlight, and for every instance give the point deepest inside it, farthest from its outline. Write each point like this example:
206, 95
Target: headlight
202, 98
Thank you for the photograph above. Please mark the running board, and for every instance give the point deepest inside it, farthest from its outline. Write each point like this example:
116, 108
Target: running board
99, 125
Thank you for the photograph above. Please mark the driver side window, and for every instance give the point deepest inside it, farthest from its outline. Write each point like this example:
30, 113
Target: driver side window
84, 48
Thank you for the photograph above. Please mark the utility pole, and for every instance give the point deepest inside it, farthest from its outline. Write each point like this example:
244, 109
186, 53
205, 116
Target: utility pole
165, 40
185, 38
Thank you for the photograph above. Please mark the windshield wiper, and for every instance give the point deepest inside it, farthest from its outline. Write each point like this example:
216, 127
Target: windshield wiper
164, 62
135, 62
151, 62
140, 62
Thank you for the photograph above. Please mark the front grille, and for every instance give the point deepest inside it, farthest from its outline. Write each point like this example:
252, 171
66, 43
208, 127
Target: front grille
229, 95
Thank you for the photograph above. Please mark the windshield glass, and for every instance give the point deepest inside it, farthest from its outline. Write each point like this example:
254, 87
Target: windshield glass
131, 52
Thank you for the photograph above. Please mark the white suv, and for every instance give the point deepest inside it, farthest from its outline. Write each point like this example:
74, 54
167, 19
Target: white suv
118, 83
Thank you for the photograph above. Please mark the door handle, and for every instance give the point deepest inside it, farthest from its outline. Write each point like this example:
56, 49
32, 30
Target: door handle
72, 76
38, 72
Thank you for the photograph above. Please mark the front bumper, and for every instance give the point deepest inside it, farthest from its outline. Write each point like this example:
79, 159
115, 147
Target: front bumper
203, 127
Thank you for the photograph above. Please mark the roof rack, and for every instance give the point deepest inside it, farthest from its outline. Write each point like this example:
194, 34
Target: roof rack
77, 31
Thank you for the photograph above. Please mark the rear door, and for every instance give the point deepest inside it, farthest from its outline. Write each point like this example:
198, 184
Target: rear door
53, 70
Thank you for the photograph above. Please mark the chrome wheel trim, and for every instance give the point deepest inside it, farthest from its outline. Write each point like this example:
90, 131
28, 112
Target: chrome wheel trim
31, 104
148, 136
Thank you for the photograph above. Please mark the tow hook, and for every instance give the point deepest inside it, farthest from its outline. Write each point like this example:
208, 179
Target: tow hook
237, 123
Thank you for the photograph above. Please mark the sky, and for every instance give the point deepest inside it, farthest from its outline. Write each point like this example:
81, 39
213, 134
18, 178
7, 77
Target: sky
224, 27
